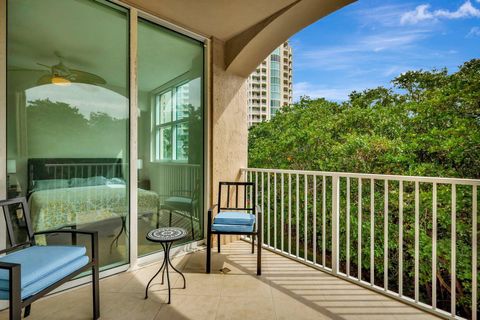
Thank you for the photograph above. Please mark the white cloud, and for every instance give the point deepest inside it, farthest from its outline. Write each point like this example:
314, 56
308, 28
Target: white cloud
466, 10
422, 13
391, 40
359, 51
474, 32
384, 15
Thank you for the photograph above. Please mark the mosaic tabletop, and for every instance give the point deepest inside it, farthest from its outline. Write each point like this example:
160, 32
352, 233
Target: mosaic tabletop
166, 234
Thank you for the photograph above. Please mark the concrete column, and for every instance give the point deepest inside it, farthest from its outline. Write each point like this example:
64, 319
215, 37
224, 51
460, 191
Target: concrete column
228, 124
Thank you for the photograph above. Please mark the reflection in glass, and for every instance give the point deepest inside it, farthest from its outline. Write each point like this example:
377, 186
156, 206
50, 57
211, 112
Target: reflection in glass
170, 131
67, 118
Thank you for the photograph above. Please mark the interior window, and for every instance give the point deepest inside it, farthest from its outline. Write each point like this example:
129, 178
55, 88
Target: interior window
171, 130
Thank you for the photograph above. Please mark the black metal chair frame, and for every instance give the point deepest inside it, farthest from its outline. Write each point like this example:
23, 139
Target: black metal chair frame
15, 300
257, 229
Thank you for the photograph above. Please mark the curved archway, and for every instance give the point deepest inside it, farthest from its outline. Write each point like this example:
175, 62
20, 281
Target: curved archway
245, 51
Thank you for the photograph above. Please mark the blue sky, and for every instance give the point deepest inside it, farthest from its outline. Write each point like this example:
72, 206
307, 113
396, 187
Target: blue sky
369, 42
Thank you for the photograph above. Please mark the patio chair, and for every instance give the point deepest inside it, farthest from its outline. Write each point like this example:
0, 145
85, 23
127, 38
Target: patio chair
29, 271
185, 203
242, 218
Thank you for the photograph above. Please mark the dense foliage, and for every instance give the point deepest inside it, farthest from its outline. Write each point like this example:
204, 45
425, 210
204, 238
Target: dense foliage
428, 124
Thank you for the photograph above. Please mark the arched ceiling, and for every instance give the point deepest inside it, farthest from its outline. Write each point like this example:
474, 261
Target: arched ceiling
250, 29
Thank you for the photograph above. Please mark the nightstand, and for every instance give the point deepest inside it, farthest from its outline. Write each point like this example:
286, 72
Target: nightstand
144, 184
13, 193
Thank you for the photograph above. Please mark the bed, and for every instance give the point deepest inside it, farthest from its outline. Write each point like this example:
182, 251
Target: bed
70, 192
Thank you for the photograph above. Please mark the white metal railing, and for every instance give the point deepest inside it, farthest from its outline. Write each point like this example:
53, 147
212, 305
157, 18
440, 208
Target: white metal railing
327, 202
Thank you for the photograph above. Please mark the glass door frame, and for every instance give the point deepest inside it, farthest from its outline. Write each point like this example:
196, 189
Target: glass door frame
133, 15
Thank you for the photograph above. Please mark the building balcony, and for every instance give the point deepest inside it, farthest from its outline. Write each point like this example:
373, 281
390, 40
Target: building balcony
311, 269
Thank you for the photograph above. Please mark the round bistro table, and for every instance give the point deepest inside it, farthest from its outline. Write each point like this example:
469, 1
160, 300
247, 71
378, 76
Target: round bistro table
166, 237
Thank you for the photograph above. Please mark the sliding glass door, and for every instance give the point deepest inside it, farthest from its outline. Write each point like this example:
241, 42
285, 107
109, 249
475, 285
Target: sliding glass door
170, 133
68, 124
68, 118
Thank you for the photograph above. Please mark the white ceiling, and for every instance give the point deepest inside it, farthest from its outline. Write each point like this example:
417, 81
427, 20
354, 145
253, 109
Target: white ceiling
94, 38
222, 19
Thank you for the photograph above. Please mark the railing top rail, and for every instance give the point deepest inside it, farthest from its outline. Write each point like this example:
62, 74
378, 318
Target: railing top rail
473, 182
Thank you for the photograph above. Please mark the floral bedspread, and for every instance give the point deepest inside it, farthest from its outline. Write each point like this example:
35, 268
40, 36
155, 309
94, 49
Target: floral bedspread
57, 208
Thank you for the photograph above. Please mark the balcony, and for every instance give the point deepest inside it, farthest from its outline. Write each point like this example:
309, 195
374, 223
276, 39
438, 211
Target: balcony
311, 266
286, 290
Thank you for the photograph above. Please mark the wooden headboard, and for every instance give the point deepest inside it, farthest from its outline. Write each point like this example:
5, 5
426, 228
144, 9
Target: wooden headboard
67, 168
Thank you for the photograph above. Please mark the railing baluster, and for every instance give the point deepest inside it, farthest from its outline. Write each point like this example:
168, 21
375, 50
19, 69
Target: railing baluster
417, 244
400, 238
251, 190
348, 227
324, 205
268, 209
289, 213
385, 238
297, 217
372, 232
275, 211
434, 246
305, 237
474, 252
263, 204
335, 224
282, 209
453, 276
314, 219
256, 188
359, 226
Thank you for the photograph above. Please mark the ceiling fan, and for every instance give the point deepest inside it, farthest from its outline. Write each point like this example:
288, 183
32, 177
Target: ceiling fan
60, 74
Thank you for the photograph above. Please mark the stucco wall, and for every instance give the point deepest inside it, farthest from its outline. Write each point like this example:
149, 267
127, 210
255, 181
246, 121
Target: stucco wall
228, 123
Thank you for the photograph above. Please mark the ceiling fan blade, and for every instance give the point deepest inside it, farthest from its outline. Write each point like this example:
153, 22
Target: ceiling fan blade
60, 70
44, 65
45, 79
25, 69
85, 77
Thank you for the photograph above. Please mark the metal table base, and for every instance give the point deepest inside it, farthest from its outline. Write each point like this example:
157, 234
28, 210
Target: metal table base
164, 267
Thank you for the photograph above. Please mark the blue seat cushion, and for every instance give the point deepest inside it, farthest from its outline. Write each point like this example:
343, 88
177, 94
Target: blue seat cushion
39, 261
234, 218
49, 279
231, 228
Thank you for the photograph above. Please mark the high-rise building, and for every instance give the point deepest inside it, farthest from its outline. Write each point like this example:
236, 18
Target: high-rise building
270, 85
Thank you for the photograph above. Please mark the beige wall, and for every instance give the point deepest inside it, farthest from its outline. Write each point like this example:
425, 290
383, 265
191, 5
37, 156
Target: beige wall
228, 123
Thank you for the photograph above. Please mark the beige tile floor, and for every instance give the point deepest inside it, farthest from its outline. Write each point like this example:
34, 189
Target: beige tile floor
286, 290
